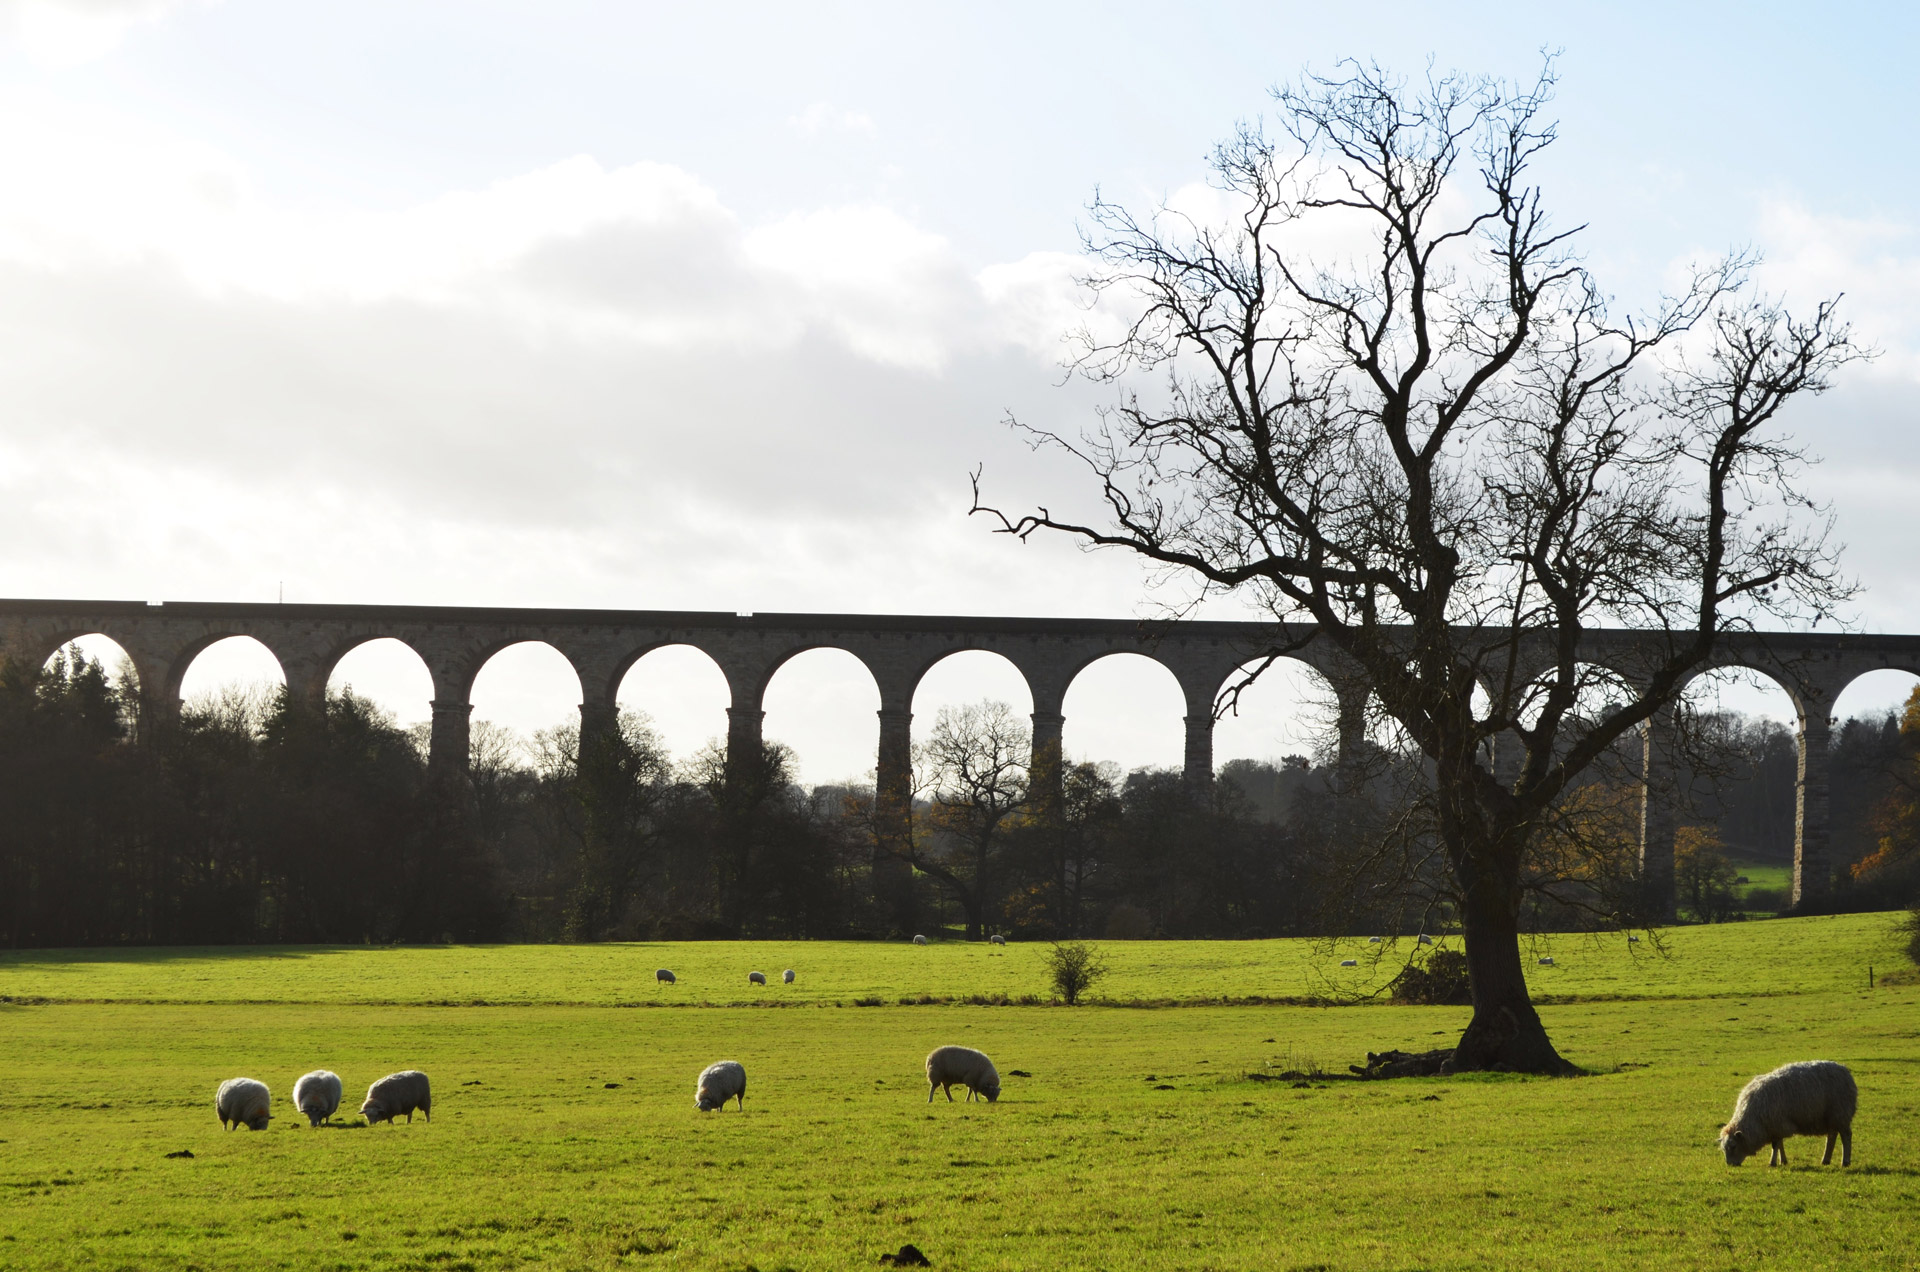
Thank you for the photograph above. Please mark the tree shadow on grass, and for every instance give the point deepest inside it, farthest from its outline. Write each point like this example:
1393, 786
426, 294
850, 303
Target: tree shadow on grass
75, 959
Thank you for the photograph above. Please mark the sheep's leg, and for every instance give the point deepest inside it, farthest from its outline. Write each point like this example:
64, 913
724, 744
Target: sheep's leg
931, 1088
1827, 1158
1779, 1157
949, 1093
1846, 1147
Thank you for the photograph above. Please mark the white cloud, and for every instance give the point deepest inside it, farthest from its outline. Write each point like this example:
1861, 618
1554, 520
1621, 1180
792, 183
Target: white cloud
574, 385
66, 33
822, 117
1873, 261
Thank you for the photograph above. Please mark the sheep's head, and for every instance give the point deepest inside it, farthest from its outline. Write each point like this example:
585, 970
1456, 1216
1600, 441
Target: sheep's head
705, 1101
374, 1112
1733, 1142
258, 1123
992, 1093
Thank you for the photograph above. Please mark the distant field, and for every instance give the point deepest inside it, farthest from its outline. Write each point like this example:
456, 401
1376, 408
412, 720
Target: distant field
1790, 955
565, 1136
1764, 874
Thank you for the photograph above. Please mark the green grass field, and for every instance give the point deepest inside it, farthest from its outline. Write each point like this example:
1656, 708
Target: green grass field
565, 1135
1772, 875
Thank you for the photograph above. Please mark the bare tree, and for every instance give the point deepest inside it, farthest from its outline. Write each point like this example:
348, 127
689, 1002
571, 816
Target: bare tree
974, 770
1395, 408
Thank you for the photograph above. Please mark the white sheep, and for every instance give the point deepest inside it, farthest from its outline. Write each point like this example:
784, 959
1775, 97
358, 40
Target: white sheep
1547, 961
919, 940
1349, 962
948, 1067
317, 1094
996, 939
398, 1093
787, 976
756, 978
663, 976
1373, 940
1426, 940
1808, 1097
243, 1102
719, 1082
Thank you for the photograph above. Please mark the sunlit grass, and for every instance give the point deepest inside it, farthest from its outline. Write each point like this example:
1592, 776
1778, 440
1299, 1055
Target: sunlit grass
565, 1136
1792, 955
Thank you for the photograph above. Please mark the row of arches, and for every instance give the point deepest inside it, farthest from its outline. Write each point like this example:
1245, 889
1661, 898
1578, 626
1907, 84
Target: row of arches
1124, 707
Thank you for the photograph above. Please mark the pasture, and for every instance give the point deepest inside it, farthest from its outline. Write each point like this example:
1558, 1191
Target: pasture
564, 1133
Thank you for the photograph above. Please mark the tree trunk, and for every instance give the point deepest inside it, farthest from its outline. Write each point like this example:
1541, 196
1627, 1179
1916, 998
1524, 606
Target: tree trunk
1505, 1033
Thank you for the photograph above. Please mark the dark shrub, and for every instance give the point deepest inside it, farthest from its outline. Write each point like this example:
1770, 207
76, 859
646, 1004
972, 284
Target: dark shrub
1440, 981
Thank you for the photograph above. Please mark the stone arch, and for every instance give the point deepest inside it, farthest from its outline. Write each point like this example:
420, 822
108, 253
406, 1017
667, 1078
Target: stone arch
896, 726
1289, 680
1771, 821
90, 643
675, 713
1733, 665
383, 680
1131, 664
514, 709
460, 671
930, 666
853, 761
181, 672
1876, 690
785, 656
605, 679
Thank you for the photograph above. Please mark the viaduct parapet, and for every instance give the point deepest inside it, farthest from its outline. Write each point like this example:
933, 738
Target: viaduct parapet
162, 640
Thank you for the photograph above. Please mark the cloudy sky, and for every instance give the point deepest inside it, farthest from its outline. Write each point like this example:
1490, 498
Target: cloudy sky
715, 307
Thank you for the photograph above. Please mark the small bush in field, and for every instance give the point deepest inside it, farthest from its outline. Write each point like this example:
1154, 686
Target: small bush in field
1074, 967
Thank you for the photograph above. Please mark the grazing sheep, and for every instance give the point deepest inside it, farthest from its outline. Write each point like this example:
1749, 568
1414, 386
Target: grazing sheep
243, 1102
663, 976
1426, 940
398, 1093
317, 1094
720, 1082
1809, 1097
756, 978
1373, 940
961, 1066
787, 976
996, 939
1349, 962
1547, 961
919, 940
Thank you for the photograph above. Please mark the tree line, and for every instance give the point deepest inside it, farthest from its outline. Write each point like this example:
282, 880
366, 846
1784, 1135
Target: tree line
252, 820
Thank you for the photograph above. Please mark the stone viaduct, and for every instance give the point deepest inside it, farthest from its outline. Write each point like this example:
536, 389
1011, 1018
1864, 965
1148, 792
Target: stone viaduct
162, 640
